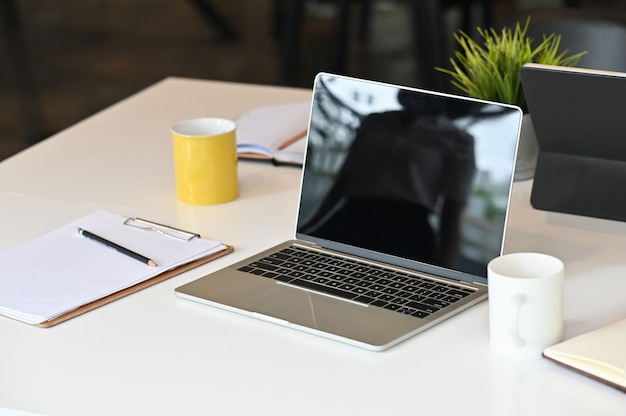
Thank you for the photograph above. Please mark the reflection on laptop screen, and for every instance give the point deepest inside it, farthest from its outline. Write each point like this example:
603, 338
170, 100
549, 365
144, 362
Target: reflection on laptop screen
413, 174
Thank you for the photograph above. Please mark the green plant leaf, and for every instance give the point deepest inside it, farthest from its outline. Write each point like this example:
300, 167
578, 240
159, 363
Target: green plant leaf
490, 69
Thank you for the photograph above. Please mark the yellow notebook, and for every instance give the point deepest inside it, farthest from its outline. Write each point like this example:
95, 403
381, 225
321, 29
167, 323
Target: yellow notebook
599, 354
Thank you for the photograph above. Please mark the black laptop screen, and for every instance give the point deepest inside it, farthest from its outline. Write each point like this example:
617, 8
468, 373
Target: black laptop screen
412, 174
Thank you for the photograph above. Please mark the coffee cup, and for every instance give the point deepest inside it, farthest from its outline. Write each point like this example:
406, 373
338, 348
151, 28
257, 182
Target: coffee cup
525, 304
205, 161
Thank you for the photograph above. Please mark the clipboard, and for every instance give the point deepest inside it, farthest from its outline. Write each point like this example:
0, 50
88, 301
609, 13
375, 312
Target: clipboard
135, 288
39, 273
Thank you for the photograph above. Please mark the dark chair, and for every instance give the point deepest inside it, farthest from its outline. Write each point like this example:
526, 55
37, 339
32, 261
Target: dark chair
288, 19
431, 36
214, 18
427, 32
600, 32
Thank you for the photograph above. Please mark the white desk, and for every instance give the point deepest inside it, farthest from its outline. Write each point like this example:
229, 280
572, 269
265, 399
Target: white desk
152, 353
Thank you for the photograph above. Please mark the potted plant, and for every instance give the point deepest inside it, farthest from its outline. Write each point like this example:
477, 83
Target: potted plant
490, 70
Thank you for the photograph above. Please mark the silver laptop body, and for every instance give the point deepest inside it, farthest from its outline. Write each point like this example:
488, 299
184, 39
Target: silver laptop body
403, 190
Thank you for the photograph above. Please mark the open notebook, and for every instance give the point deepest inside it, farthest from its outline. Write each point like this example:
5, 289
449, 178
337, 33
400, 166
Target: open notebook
275, 133
599, 354
403, 203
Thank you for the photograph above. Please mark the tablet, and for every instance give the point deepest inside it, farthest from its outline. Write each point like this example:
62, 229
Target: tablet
579, 117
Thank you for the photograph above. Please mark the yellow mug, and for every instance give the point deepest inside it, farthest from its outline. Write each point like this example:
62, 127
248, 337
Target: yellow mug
205, 161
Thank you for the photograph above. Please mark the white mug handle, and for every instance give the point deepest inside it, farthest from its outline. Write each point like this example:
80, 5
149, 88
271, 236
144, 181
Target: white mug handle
514, 313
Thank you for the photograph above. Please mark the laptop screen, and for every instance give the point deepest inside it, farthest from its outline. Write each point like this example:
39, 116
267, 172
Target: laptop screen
416, 175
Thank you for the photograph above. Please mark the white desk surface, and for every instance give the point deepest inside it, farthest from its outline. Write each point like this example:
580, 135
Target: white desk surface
152, 353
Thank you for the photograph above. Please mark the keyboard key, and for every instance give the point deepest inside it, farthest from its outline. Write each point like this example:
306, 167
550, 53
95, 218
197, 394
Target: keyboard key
321, 280
283, 278
450, 299
265, 266
279, 255
435, 302
269, 262
364, 299
418, 298
406, 310
347, 287
361, 275
386, 298
324, 289
422, 307
457, 293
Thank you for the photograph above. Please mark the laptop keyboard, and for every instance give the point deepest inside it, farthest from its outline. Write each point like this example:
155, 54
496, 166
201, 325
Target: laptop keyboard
358, 281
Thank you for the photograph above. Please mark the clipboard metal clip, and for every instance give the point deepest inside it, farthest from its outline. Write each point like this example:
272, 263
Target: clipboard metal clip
164, 230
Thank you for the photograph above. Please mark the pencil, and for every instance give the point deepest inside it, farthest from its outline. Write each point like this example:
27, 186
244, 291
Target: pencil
116, 247
292, 139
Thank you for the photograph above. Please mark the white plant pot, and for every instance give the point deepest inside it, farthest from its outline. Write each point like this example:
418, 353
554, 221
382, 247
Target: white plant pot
527, 151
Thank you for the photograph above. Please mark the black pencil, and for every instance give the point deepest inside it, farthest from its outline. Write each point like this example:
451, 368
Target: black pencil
116, 247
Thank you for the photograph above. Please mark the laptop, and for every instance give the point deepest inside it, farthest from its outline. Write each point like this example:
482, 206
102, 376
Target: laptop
578, 117
403, 202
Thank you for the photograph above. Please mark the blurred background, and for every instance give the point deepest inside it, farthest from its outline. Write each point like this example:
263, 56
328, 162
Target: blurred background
63, 60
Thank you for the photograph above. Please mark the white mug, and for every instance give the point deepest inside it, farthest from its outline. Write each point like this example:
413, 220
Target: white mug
525, 304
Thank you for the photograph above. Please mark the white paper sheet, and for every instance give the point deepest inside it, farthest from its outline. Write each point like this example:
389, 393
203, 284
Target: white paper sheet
61, 271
